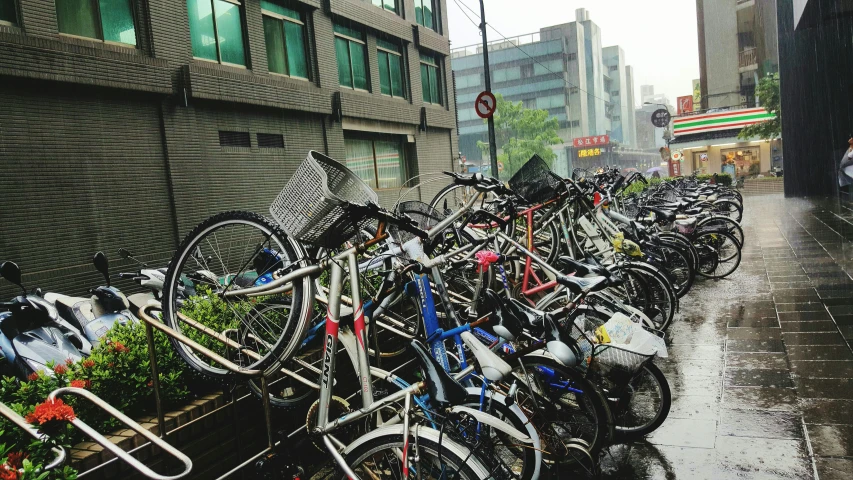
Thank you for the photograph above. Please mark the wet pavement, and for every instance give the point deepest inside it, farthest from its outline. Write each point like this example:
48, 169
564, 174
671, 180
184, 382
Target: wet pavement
761, 366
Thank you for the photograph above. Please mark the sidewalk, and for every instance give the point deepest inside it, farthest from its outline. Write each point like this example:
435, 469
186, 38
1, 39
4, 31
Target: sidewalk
761, 367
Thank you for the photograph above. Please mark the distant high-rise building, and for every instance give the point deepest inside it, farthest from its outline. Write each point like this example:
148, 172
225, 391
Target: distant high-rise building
737, 45
562, 69
646, 91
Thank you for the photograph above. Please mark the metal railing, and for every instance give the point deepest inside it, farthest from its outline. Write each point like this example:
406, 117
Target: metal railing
748, 57
494, 45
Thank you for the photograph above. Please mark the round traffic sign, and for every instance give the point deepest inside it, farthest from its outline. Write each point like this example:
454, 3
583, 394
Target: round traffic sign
661, 117
485, 104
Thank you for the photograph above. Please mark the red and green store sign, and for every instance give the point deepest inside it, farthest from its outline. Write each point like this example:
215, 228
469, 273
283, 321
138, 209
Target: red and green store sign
712, 122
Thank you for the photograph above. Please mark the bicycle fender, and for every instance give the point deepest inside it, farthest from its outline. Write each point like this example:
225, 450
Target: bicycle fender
493, 422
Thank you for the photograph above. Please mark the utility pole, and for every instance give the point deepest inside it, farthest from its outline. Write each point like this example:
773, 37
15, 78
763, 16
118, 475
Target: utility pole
493, 149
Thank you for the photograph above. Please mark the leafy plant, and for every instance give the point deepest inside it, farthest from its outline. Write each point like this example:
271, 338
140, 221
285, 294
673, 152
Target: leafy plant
118, 371
768, 93
520, 133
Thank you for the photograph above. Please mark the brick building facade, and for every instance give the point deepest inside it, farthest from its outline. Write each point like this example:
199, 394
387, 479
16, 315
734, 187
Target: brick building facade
126, 126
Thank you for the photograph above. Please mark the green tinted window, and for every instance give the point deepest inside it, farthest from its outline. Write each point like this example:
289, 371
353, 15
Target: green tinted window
352, 58
430, 79
344, 68
229, 32
390, 5
424, 13
380, 163
216, 30
7, 12
392, 46
109, 20
78, 17
390, 72
274, 39
285, 40
297, 62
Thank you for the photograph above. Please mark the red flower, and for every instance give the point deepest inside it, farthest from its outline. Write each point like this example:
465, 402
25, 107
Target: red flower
150, 383
51, 411
119, 347
69, 362
16, 460
8, 473
81, 383
33, 376
88, 363
60, 369
111, 364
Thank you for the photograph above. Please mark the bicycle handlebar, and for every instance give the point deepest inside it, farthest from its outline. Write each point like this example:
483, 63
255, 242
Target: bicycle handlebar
404, 222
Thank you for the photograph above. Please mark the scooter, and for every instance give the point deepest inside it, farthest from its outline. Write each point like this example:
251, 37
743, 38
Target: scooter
96, 315
32, 334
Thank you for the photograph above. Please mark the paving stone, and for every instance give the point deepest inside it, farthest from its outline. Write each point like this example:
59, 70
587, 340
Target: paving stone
696, 351
827, 411
755, 345
834, 468
820, 338
754, 322
803, 316
762, 458
823, 368
683, 432
831, 440
815, 326
697, 407
749, 377
819, 352
763, 424
765, 398
765, 360
746, 333
828, 388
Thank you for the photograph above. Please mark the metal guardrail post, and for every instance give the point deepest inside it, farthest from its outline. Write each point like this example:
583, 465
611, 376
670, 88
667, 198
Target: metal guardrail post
155, 379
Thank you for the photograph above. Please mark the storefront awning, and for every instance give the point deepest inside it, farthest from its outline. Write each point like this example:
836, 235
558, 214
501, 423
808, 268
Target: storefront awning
702, 139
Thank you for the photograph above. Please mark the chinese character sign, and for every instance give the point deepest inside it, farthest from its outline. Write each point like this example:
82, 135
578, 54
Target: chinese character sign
592, 141
589, 152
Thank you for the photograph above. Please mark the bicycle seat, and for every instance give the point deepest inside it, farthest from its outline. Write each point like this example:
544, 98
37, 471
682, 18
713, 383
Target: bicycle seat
443, 389
491, 365
668, 215
580, 269
508, 325
578, 285
544, 325
692, 211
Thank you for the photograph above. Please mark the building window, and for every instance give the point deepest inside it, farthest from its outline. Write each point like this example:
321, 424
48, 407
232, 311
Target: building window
390, 58
107, 20
614, 93
216, 29
572, 56
284, 32
551, 101
575, 123
352, 57
612, 68
270, 140
431, 79
548, 68
390, 5
380, 162
466, 81
506, 74
527, 70
424, 13
573, 90
8, 15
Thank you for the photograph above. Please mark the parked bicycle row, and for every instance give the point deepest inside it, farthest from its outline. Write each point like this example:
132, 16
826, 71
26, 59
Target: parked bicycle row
496, 331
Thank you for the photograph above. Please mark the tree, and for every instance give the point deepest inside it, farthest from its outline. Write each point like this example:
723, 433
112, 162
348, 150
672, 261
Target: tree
768, 94
520, 133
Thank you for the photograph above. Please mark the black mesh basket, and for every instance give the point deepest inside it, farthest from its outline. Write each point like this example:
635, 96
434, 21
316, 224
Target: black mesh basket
425, 216
535, 182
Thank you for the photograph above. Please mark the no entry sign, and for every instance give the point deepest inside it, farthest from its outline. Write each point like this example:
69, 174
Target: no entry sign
485, 104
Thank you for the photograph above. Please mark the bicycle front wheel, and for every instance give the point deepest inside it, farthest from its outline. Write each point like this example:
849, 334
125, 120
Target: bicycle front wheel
224, 254
643, 405
379, 455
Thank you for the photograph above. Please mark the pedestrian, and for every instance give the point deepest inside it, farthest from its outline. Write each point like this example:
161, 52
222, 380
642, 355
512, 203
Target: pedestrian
656, 174
845, 169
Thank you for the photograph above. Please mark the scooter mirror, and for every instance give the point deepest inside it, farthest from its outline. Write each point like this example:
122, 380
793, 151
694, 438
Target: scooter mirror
102, 265
124, 253
12, 274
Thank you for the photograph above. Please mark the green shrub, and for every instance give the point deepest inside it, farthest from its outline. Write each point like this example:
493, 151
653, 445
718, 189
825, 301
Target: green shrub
118, 371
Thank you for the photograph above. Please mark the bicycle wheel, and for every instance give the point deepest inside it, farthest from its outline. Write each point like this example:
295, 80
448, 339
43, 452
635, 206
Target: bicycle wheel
679, 265
643, 405
378, 455
225, 253
730, 225
724, 252
684, 242
729, 208
660, 301
563, 405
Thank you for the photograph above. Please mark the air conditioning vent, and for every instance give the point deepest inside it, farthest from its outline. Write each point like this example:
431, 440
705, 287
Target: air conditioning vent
270, 140
234, 139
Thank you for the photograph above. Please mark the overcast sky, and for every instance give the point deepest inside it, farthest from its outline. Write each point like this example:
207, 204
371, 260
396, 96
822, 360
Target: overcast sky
657, 36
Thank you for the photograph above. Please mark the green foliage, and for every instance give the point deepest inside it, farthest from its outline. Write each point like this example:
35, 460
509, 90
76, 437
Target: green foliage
637, 187
768, 93
118, 371
18, 466
520, 133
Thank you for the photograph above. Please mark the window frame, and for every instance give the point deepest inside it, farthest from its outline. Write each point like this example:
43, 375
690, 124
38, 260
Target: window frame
397, 10
241, 6
437, 65
380, 137
401, 54
363, 43
432, 3
16, 23
304, 25
100, 38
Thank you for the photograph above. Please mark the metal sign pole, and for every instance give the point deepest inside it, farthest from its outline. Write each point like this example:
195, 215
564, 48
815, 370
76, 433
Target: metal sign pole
493, 151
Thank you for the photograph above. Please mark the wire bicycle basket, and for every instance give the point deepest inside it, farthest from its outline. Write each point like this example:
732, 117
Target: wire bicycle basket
312, 207
535, 182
